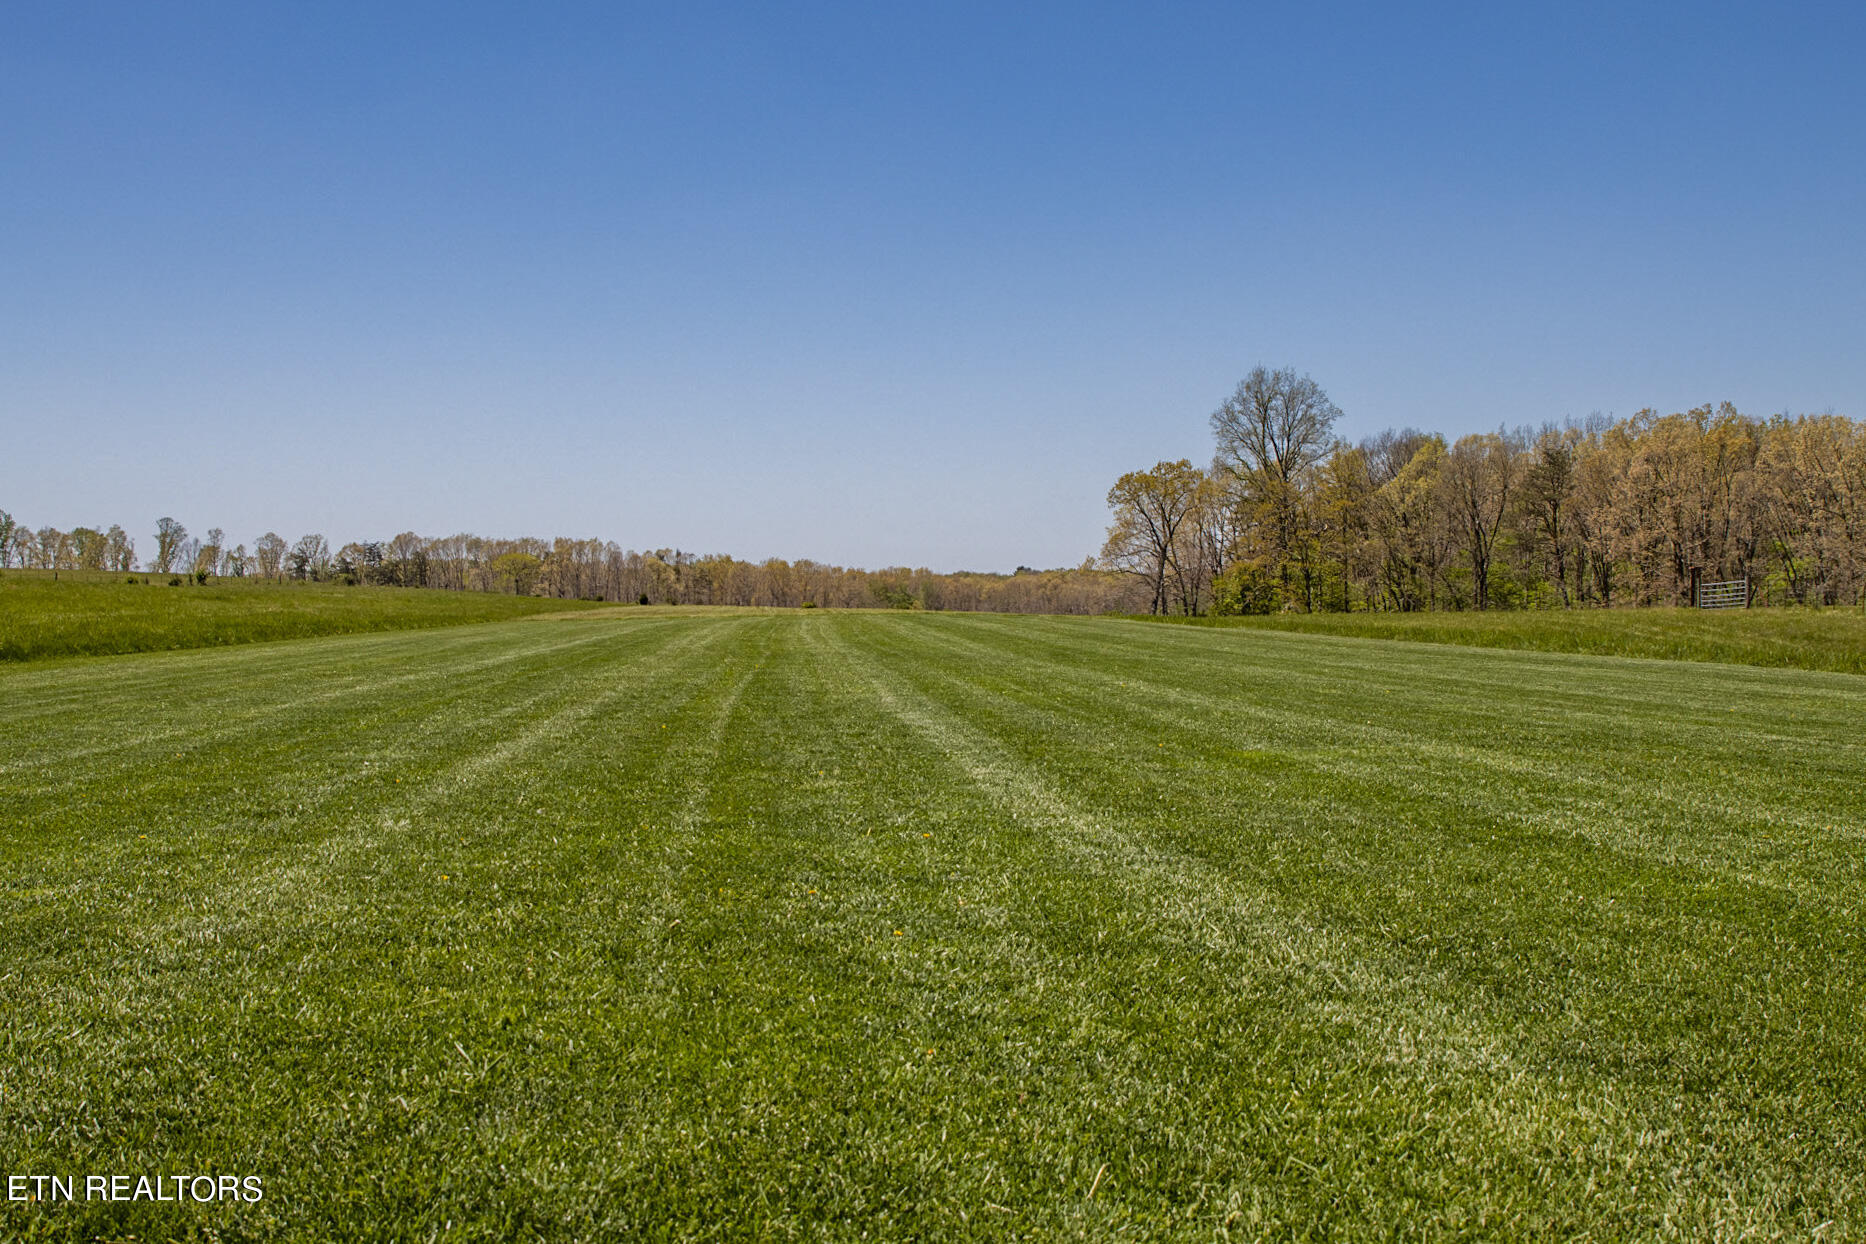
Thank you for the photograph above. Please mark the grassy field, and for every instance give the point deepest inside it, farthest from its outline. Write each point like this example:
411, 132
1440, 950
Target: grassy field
94, 614
1811, 639
932, 926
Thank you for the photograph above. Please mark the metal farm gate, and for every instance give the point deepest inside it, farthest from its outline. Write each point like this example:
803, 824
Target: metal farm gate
1730, 594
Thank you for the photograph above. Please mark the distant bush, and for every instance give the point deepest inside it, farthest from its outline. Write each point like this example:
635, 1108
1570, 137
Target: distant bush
174, 582
644, 599
131, 579
1246, 589
890, 596
200, 576
808, 604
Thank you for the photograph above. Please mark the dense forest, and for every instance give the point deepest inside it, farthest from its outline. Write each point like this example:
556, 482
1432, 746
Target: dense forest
1288, 516
1600, 512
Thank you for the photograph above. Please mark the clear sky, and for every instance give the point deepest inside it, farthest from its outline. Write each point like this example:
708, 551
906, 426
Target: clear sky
878, 283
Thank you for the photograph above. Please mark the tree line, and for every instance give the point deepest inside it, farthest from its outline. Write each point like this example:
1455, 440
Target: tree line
566, 568
1592, 513
1287, 516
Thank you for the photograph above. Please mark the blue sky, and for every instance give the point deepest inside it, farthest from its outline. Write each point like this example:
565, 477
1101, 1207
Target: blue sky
878, 284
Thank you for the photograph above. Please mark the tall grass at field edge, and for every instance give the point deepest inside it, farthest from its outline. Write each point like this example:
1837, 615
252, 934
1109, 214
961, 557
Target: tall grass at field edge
98, 615
1831, 640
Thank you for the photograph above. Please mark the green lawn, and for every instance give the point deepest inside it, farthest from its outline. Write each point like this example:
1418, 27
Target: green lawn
1812, 639
91, 614
934, 926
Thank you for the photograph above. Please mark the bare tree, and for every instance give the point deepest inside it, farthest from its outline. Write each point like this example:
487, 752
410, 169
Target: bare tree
188, 556
1275, 422
1149, 509
269, 554
119, 549
169, 536
54, 550
351, 561
310, 557
207, 557
1478, 482
408, 560
1271, 434
1548, 490
87, 548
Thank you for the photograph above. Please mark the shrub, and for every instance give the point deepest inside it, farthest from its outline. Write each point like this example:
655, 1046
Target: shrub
174, 582
889, 596
1246, 589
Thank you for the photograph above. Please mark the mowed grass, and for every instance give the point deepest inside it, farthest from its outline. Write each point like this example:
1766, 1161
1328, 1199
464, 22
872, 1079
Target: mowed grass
1812, 639
92, 614
894, 926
